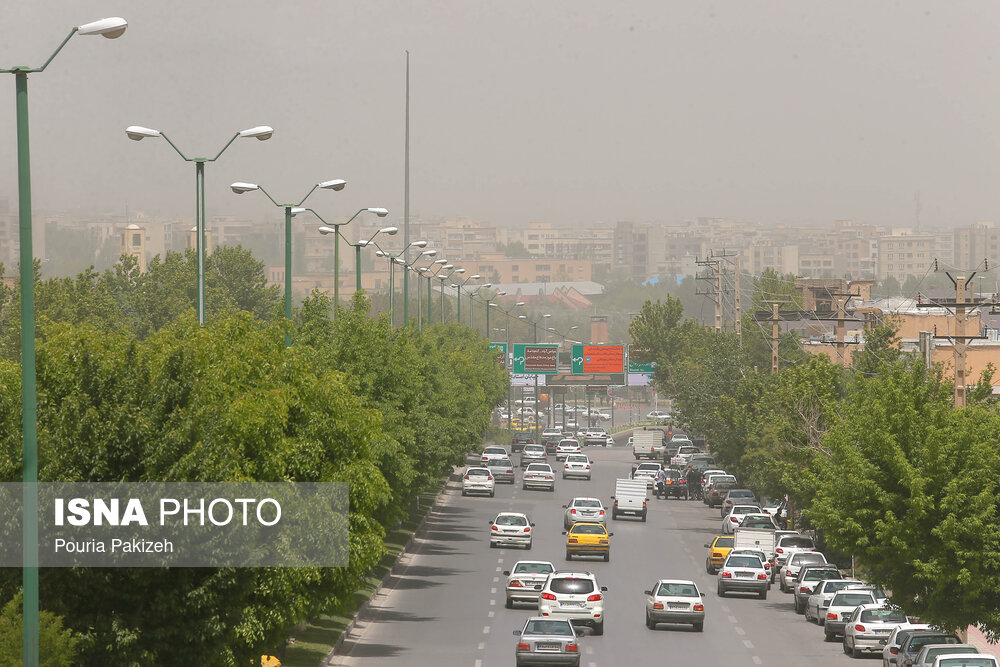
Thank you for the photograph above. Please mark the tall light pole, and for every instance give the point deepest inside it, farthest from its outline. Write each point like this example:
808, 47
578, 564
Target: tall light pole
110, 28
441, 265
458, 293
138, 133
389, 231
472, 305
393, 260
412, 266
290, 210
490, 304
443, 279
334, 229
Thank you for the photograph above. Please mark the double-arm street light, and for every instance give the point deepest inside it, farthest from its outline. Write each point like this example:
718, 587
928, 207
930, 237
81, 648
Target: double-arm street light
444, 277
334, 229
388, 231
490, 304
110, 28
393, 260
472, 298
138, 133
426, 271
458, 285
290, 210
431, 272
412, 266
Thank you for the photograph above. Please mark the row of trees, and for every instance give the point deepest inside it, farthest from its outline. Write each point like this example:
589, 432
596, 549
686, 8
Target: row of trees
875, 456
131, 388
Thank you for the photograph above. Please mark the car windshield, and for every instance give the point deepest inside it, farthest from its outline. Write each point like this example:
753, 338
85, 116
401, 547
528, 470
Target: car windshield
920, 640
744, 561
851, 599
724, 542
571, 585
796, 542
588, 529
533, 568
478, 472
508, 520
548, 628
678, 590
882, 616
586, 502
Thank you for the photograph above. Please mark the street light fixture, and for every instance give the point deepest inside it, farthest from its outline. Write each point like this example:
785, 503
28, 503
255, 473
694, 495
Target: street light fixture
290, 210
110, 28
458, 294
335, 230
138, 133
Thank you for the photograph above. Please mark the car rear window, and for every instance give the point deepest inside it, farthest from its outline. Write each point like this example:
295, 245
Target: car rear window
478, 472
588, 529
533, 568
741, 493
648, 466
944, 650
548, 628
678, 590
586, 503
577, 458
744, 561
534, 448
502, 463
797, 542
919, 640
538, 467
495, 450
724, 542
807, 558
819, 575
510, 521
756, 522
834, 586
852, 600
968, 662
883, 616
571, 585
724, 484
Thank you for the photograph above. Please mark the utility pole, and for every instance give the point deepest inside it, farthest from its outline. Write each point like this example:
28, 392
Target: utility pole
774, 317
774, 338
716, 291
840, 329
739, 310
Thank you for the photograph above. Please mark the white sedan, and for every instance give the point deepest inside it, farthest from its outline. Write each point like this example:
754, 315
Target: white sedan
566, 447
478, 480
587, 510
576, 465
675, 601
510, 529
732, 520
869, 626
539, 474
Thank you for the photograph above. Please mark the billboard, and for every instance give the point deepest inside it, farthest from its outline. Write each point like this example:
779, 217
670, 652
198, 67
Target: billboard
501, 352
640, 359
598, 358
538, 359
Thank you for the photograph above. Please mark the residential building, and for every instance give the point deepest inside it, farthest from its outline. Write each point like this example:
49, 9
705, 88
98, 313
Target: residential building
904, 254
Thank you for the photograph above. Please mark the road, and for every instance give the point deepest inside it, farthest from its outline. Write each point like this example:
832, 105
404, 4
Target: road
445, 604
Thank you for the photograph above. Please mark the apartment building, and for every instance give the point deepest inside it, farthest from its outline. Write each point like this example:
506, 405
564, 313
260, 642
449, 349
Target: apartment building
974, 243
903, 254
769, 254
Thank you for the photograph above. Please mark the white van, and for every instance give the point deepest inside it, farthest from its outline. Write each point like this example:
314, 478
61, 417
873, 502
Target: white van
630, 499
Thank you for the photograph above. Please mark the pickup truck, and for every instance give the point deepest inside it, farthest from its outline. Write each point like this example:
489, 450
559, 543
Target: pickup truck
647, 445
629, 499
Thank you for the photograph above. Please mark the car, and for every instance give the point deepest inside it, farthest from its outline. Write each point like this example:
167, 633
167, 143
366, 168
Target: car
869, 626
718, 551
588, 538
532, 453
502, 469
709, 477
646, 472
675, 601
715, 495
478, 480
575, 596
685, 451
551, 435
910, 647
565, 447
896, 637
809, 577
757, 520
519, 440
539, 474
735, 515
930, 652
523, 578
754, 552
658, 415
676, 484
493, 452
789, 544
841, 607
743, 574
817, 603
576, 465
738, 497
966, 660
795, 562
596, 437
547, 641
589, 510
511, 529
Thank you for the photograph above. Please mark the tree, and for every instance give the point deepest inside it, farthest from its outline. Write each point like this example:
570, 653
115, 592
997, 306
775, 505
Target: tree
57, 645
770, 287
881, 347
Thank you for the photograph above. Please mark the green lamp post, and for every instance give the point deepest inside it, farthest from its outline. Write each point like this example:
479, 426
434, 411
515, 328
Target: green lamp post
138, 133
290, 211
440, 265
390, 231
398, 259
111, 28
458, 294
334, 229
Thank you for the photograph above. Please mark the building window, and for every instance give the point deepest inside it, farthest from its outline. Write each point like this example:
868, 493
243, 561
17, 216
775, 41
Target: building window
137, 239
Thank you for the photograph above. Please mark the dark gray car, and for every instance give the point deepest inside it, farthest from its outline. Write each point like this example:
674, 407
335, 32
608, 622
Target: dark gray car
737, 497
547, 641
911, 646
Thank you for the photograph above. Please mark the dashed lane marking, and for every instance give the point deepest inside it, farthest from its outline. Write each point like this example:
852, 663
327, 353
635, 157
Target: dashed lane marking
496, 580
486, 629
740, 631
756, 660
732, 619
748, 643
493, 603
493, 591
493, 613
479, 663
498, 568
481, 647
726, 608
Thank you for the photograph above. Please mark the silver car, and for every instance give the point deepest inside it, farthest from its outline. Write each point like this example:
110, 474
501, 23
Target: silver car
744, 574
869, 627
589, 510
576, 465
817, 603
521, 581
532, 454
790, 572
547, 641
502, 469
929, 653
841, 607
675, 601
539, 475
809, 577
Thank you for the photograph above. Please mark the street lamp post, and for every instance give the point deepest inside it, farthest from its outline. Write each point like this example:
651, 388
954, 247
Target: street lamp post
442, 265
490, 304
110, 28
138, 133
411, 266
389, 231
472, 308
458, 294
290, 211
443, 278
393, 260
334, 229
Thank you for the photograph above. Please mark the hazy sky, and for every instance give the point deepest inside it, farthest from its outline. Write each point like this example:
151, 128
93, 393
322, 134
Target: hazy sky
573, 111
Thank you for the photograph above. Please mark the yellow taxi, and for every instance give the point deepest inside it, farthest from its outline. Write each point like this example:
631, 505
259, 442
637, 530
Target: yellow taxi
588, 539
717, 552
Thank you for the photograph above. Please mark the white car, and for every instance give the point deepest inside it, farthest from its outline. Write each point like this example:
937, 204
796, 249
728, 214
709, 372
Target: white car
657, 414
790, 570
823, 592
511, 529
744, 574
478, 480
646, 472
732, 520
576, 465
841, 607
869, 626
589, 510
521, 581
539, 474
965, 660
575, 596
675, 601
493, 452
566, 447
891, 650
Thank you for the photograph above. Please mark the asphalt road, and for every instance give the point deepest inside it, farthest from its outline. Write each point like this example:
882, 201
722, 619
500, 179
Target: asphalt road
445, 604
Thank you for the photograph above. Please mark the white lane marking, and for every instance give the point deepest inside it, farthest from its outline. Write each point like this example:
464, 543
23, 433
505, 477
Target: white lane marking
732, 619
481, 647
726, 608
496, 579
500, 560
591, 664
589, 650
493, 591
756, 660
493, 603
493, 613
479, 663
740, 631
498, 568
748, 643
486, 629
